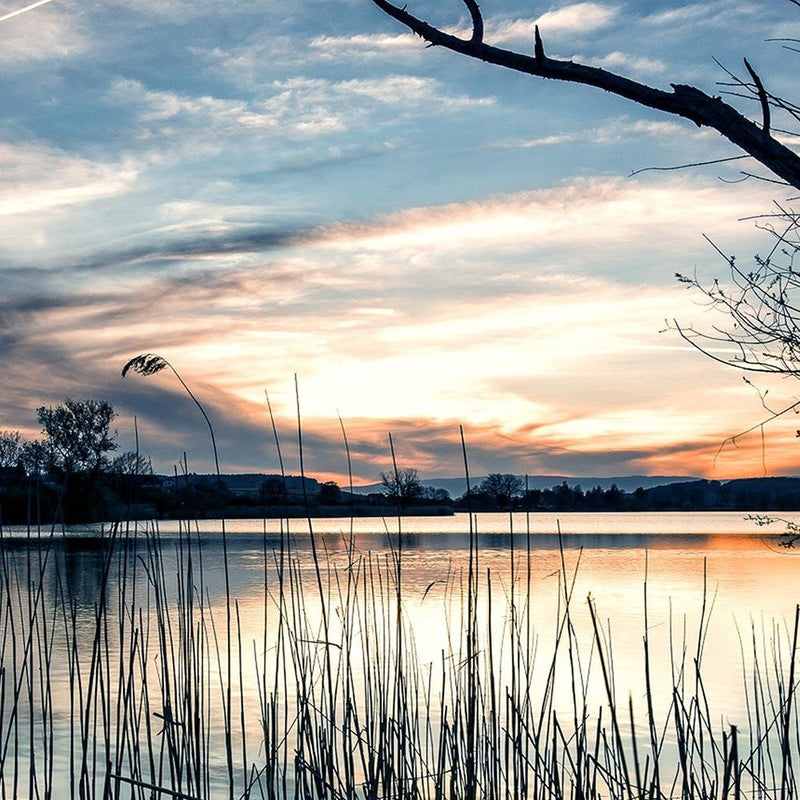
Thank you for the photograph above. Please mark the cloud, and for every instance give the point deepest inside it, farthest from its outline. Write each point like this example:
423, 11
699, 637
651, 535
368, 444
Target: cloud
530, 235
576, 18
505, 313
608, 215
617, 61
633, 431
194, 242
725, 20
180, 10
716, 13
507, 31
294, 206
498, 31
517, 372
296, 106
37, 178
47, 194
366, 46
50, 33
615, 131
600, 211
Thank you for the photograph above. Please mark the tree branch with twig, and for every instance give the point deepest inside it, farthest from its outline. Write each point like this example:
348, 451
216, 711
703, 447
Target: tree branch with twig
684, 101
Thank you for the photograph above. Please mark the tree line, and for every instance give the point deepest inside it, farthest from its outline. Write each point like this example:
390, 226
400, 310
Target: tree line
507, 492
74, 473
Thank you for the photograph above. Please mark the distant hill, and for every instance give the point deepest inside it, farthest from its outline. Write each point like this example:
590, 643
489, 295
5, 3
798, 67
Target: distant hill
637, 492
628, 483
261, 494
752, 494
249, 481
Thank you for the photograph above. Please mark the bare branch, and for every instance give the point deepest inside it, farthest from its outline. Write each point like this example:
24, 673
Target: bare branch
687, 166
538, 47
760, 305
477, 20
762, 96
773, 415
683, 101
746, 175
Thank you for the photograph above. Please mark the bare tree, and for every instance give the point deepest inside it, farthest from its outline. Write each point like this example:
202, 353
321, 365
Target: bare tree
131, 464
758, 327
402, 486
436, 495
689, 102
503, 489
760, 305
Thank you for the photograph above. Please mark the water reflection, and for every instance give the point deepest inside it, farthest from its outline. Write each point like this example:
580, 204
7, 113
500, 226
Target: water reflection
713, 563
645, 523
77, 560
84, 570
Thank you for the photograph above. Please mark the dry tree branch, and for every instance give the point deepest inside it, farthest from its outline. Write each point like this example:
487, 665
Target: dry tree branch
759, 426
760, 306
691, 165
477, 20
684, 101
762, 96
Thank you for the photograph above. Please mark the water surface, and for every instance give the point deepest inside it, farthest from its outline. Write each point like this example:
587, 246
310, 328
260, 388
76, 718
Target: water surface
713, 585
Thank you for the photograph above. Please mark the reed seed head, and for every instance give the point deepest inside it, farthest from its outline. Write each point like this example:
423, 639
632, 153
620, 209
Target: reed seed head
145, 364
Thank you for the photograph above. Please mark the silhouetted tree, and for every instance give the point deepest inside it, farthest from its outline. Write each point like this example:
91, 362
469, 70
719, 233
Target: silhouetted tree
436, 495
532, 499
503, 489
329, 494
131, 471
273, 491
79, 435
11, 469
12, 475
613, 497
566, 497
78, 439
10, 449
131, 463
35, 458
402, 487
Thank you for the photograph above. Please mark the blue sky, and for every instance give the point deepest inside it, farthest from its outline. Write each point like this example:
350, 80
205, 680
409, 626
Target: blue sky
255, 191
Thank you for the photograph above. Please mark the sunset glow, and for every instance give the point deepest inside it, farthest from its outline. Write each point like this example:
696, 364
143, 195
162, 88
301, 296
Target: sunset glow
299, 188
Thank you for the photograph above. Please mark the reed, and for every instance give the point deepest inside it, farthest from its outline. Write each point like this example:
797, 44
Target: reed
119, 684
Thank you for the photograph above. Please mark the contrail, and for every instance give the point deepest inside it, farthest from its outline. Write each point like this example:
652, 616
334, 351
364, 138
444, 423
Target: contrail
23, 10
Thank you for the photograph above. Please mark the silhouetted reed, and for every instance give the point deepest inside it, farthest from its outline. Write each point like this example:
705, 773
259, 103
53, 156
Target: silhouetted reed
341, 704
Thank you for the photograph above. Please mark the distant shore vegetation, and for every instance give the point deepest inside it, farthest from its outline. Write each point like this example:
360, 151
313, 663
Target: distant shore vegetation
75, 474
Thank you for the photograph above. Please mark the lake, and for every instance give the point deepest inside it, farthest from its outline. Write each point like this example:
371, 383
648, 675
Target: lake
119, 671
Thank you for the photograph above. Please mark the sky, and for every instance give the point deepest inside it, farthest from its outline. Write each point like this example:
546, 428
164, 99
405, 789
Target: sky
299, 193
